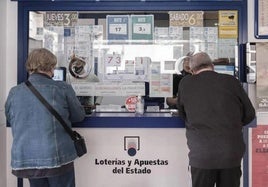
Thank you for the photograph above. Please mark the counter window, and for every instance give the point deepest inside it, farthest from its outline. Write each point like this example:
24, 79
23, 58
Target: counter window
110, 56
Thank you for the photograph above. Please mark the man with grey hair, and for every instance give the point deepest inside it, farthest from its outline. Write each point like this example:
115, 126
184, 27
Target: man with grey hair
200, 62
215, 108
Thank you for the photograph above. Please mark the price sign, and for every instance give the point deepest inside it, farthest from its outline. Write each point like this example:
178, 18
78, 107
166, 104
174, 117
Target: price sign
54, 18
142, 27
118, 27
186, 18
112, 60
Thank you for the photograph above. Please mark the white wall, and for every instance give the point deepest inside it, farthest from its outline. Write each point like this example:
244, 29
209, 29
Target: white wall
3, 32
8, 78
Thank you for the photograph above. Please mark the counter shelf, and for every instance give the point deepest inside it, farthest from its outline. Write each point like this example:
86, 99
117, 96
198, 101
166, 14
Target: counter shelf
130, 120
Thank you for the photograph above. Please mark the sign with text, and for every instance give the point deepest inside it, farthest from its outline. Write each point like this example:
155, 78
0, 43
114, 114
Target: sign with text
134, 157
260, 156
186, 18
142, 27
228, 24
60, 18
108, 89
117, 27
36, 30
112, 60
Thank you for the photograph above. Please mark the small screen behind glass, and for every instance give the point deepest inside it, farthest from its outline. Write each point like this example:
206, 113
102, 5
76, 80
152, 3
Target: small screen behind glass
59, 74
226, 69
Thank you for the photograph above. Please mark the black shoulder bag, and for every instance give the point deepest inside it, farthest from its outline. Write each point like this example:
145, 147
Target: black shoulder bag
79, 141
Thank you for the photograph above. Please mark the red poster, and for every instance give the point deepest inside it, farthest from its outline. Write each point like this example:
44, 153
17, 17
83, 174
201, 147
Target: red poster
260, 156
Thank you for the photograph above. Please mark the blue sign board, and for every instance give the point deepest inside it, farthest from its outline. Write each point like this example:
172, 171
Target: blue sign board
117, 27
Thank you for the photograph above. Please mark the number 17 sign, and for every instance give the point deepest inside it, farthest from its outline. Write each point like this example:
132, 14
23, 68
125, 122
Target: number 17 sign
118, 27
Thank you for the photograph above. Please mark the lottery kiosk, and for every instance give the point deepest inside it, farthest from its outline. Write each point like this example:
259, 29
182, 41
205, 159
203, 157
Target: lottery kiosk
111, 52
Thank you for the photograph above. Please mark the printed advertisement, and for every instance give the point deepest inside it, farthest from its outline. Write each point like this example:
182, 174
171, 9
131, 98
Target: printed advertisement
228, 24
260, 156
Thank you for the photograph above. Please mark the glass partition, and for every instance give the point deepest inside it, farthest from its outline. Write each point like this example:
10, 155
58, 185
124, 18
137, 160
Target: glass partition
114, 55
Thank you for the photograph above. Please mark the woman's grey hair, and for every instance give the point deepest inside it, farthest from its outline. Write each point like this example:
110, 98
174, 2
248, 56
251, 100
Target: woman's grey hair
41, 59
200, 61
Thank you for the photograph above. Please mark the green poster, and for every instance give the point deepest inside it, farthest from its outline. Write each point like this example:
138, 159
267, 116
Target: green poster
142, 27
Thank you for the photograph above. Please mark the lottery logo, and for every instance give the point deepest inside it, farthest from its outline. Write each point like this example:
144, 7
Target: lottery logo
131, 145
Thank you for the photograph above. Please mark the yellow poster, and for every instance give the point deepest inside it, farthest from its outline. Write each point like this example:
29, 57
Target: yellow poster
228, 24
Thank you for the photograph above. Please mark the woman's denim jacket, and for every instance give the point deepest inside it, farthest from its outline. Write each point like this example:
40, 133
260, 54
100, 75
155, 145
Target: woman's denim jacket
39, 140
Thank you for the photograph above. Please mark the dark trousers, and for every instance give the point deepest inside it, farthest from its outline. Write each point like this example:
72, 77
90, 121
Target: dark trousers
221, 177
65, 180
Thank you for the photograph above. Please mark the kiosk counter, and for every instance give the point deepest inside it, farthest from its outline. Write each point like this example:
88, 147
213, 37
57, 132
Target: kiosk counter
126, 150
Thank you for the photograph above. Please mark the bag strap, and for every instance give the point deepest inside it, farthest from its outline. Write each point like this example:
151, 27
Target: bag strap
51, 110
